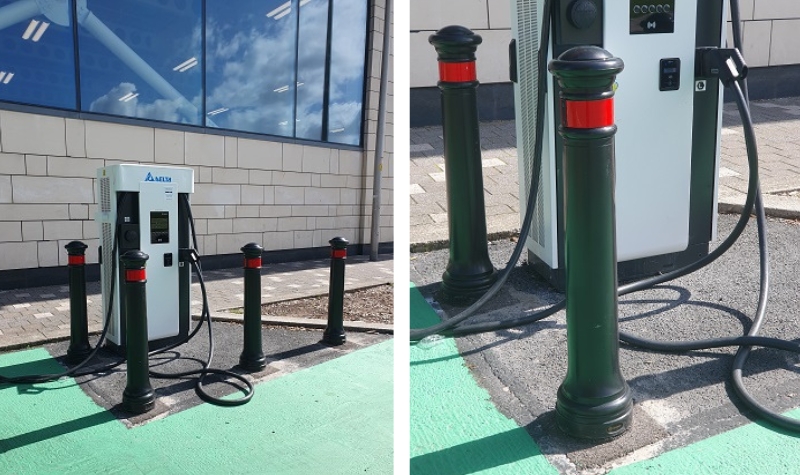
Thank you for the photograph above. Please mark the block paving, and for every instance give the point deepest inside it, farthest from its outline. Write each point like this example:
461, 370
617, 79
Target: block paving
37, 315
777, 122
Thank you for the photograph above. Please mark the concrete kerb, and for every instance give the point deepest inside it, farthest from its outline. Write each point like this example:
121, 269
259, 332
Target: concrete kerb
730, 202
775, 206
310, 323
437, 244
224, 315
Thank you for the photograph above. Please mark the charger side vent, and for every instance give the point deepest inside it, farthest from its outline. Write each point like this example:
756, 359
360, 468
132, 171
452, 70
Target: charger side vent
107, 243
107, 276
105, 194
528, 86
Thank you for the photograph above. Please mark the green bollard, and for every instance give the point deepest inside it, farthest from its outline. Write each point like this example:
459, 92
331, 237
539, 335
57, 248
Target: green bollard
594, 401
79, 347
138, 396
334, 331
252, 357
469, 271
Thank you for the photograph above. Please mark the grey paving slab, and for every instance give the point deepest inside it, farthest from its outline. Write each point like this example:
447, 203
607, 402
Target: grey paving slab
777, 123
38, 315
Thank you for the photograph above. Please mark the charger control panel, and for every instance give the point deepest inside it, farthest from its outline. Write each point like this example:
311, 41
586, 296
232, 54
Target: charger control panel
669, 78
654, 16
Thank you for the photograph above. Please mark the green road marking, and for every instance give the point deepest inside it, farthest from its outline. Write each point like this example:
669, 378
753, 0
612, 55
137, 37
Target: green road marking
333, 418
455, 428
746, 450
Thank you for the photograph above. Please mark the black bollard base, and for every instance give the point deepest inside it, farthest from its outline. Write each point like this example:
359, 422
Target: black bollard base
334, 338
138, 403
464, 289
78, 353
252, 362
594, 418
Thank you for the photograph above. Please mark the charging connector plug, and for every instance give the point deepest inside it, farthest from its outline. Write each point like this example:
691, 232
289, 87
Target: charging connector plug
727, 64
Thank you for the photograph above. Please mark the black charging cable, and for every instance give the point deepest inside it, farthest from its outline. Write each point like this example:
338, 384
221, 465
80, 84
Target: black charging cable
75, 370
446, 327
729, 66
205, 370
202, 373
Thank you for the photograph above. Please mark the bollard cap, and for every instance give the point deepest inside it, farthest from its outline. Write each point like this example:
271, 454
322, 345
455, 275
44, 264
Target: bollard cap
76, 248
339, 243
586, 72
134, 259
252, 250
455, 43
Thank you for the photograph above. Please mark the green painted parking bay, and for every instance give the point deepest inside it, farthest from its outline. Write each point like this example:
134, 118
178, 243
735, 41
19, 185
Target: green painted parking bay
456, 428
332, 418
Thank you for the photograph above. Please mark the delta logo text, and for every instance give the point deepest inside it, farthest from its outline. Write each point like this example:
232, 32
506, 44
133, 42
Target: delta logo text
163, 179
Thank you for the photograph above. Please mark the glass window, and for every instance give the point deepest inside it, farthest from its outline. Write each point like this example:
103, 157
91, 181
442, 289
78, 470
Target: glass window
142, 58
37, 61
311, 52
291, 68
251, 52
348, 39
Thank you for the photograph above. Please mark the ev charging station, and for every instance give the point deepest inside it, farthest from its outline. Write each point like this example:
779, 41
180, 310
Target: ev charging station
141, 208
668, 119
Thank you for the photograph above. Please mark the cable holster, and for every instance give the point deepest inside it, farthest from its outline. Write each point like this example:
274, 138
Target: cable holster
727, 64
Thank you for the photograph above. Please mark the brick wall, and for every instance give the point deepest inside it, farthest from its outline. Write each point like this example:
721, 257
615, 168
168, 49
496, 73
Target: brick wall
283, 195
771, 32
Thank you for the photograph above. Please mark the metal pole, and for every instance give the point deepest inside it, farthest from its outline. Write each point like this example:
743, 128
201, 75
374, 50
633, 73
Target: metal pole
79, 347
377, 172
16, 12
334, 332
138, 396
594, 401
110, 40
252, 357
469, 271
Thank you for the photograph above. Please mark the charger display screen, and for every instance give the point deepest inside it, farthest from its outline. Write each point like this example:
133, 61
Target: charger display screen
159, 227
654, 16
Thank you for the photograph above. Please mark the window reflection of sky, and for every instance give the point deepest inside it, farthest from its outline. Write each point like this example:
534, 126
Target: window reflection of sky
347, 71
266, 62
251, 64
37, 63
311, 68
165, 35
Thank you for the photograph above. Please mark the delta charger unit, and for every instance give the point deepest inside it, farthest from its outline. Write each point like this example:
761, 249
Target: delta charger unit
146, 208
668, 119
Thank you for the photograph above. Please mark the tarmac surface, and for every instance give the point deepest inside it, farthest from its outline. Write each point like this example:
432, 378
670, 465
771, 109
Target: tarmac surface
687, 418
679, 399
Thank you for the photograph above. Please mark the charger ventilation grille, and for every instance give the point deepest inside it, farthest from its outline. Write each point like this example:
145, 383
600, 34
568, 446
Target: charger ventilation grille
528, 85
108, 258
105, 194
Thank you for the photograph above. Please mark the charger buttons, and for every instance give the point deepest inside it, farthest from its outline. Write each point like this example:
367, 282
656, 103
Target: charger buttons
669, 74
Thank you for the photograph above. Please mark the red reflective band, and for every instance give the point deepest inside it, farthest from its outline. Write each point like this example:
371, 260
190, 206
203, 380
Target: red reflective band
76, 260
252, 262
338, 253
135, 275
589, 114
457, 72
